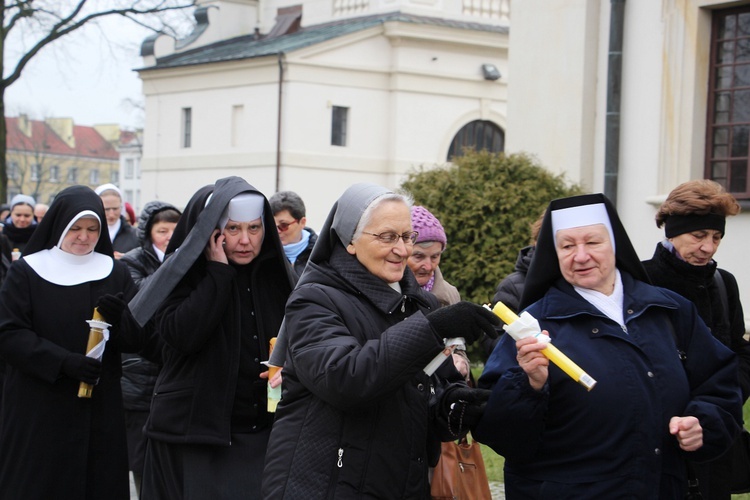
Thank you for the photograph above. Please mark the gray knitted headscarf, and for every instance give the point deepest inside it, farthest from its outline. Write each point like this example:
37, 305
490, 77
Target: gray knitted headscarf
342, 221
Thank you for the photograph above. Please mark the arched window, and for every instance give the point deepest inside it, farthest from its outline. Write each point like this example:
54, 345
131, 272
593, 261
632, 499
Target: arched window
479, 135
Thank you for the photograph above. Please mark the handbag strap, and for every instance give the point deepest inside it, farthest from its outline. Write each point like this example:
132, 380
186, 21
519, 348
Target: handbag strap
722, 289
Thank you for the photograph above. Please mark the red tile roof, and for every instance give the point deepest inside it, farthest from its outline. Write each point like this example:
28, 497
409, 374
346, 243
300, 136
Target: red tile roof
128, 137
88, 142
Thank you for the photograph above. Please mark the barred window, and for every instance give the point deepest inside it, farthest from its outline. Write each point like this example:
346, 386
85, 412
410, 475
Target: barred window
728, 127
339, 125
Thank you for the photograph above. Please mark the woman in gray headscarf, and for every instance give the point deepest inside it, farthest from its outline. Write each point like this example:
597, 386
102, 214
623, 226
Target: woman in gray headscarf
359, 416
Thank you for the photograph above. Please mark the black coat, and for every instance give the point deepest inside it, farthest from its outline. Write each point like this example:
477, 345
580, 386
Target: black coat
139, 374
18, 237
355, 418
696, 283
142, 262
509, 291
77, 444
200, 325
6, 256
301, 261
510, 288
126, 238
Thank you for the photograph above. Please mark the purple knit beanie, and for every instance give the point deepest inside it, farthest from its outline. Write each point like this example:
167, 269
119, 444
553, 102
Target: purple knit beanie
427, 225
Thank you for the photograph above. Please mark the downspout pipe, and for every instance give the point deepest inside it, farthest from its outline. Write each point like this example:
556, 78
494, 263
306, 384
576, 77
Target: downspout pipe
614, 95
280, 59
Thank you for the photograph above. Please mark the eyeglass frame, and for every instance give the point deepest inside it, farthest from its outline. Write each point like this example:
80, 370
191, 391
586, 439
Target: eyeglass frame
282, 227
411, 239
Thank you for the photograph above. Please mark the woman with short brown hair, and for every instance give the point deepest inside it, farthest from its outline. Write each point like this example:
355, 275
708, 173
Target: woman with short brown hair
694, 219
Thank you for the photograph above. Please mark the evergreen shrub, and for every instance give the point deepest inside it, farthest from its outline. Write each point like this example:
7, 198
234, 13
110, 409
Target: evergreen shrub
486, 202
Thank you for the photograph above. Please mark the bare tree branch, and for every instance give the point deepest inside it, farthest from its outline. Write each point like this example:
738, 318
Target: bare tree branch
66, 26
51, 20
14, 19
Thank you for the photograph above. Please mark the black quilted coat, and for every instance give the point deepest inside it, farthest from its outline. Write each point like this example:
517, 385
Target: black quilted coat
696, 283
301, 261
138, 374
355, 420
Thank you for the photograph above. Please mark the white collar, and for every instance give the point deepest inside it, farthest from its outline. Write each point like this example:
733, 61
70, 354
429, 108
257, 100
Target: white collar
114, 229
610, 305
65, 269
159, 253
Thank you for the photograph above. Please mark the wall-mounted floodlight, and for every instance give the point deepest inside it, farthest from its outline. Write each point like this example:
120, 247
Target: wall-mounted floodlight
490, 72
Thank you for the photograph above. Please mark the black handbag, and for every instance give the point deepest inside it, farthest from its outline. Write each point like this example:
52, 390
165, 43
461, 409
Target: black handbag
740, 455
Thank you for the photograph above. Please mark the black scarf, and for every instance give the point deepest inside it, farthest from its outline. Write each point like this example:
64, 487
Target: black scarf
18, 235
695, 283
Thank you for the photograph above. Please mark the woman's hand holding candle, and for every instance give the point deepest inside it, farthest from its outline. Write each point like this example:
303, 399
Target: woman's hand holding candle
81, 368
527, 326
98, 336
533, 362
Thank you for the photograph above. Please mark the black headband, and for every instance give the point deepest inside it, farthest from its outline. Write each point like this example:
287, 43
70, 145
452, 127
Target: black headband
676, 225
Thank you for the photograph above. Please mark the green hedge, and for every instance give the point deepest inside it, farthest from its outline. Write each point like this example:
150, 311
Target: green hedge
486, 202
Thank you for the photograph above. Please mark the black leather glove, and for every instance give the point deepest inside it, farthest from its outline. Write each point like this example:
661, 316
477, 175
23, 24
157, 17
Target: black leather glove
464, 319
83, 368
464, 407
111, 307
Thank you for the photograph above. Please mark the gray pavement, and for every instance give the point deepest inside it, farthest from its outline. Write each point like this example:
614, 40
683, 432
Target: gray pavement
496, 488
133, 495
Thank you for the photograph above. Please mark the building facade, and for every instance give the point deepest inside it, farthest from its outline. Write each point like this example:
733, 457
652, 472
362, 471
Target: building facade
314, 96
130, 149
45, 157
632, 98
629, 98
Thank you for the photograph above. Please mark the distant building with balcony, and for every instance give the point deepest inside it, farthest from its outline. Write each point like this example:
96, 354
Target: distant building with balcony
313, 96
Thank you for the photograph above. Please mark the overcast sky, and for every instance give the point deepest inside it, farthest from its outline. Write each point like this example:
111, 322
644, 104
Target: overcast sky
84, 76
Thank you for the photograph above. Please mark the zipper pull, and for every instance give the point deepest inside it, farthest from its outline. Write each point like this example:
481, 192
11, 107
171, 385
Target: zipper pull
403, 304
339, 464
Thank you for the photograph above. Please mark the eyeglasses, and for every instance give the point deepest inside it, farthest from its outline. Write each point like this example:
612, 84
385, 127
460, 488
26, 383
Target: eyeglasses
283, 226
391, 238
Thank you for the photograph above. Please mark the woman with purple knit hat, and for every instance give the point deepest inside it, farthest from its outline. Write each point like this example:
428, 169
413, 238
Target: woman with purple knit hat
424, 263
425, 257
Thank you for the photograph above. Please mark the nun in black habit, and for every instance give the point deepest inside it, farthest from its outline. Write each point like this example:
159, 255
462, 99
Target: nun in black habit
55, 444
666, 389
218, 299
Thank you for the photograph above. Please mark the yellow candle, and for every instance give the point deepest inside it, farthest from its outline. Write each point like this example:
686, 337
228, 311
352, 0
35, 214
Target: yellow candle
274, 393
504, 313
96, 335
551, 352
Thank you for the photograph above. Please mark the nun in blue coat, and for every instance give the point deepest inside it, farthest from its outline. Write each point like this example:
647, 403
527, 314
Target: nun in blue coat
666, 389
